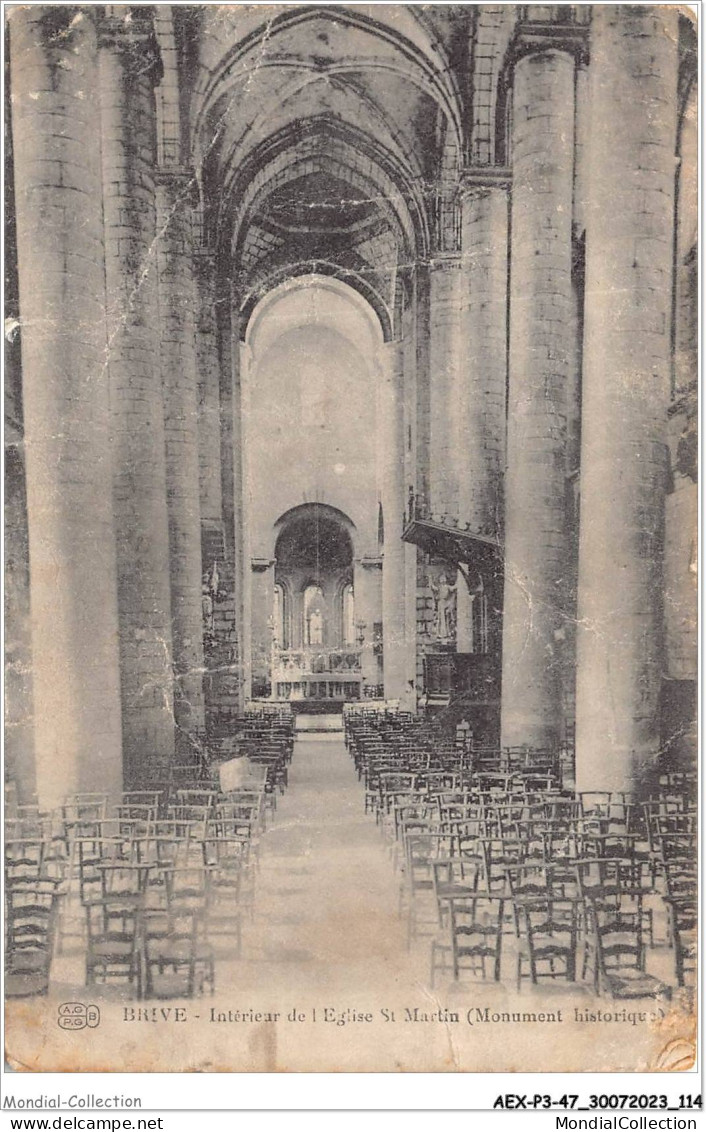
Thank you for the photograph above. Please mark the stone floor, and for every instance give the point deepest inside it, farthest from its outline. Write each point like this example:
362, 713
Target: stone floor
325, 980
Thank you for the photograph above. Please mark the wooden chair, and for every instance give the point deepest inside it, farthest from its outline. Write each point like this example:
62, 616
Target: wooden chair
178, 959
549, 944
29, 943
421, 850
683, 924
231, 888
619, 956
454, 878
113, 941
474, 934
24, 860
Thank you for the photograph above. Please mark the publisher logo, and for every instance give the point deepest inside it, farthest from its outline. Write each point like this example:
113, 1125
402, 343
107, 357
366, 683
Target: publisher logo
77, 1016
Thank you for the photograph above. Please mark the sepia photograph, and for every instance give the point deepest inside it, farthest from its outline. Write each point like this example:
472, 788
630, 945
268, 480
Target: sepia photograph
351, 527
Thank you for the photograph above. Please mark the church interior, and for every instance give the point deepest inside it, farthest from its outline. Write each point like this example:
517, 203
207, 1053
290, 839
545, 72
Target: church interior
351, 498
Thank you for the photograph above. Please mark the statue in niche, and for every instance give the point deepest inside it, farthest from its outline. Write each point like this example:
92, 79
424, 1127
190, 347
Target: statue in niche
444, 609
316, 627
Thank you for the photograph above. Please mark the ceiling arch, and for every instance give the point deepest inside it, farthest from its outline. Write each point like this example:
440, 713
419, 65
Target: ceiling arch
324, 196
350, 302
324, 139
323, 40
327, 147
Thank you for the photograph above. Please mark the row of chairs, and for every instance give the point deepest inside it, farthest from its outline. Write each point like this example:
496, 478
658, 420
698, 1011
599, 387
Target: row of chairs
148, 885
574, 880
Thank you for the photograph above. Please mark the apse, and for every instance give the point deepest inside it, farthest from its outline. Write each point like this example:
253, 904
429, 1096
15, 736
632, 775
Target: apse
310, 373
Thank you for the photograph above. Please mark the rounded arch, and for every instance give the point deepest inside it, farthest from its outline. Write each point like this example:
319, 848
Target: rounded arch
393, 229
416, 51
393, 108
349, 105
316, 512
325, 145
354, 287
299, 285
314, 550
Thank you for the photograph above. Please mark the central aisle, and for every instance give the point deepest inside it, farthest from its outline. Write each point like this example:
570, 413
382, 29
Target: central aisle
326, 917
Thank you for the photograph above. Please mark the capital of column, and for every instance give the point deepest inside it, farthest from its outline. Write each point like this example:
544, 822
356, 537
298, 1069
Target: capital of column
445, 261
539, 37
134, 41
180, 176
480, 180
179, 185
54, 27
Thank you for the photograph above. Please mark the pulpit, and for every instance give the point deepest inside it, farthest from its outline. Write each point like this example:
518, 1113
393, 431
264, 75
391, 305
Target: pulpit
465, 685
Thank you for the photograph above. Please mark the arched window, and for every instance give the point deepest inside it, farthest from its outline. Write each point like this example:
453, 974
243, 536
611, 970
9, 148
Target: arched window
279, 617
348, 616
313, 615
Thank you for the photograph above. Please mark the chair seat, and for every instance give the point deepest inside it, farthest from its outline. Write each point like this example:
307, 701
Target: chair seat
449, 891
19, 984
112, 949
27, 960
179, 951
637, 984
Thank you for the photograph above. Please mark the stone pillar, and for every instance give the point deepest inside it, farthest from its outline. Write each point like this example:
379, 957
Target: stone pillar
391, 452
261, 635
445, 380
177, 301
20, 769
208, 388
222, 538
366, 592
74, 620
540, 347
629, 214
140, 488
481, 408
422, 409
236, 483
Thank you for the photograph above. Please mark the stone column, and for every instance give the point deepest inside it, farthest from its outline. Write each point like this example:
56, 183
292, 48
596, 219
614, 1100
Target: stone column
445, 379
366, 591
217, 652
74, 620
481, 407
540, 347
223, 653
140, 488
261, 606
208, 387
391, 450
177, 302
629, 213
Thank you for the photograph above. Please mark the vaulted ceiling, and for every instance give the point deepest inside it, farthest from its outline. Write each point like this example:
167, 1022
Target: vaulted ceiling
326, 138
